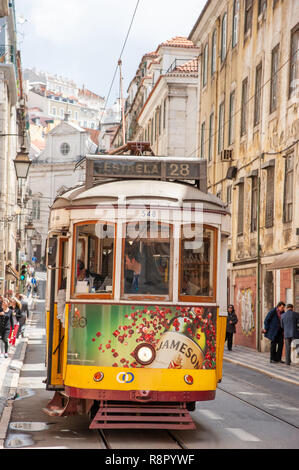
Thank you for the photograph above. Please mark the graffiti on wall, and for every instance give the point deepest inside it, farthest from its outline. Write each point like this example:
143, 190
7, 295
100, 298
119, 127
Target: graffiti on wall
246, 307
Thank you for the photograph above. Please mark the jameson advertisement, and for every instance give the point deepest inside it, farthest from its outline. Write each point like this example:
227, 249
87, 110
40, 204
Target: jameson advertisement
110, 335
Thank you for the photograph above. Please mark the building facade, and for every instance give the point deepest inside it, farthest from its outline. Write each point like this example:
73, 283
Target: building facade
12, 137
248, 130
52, 173
162, 97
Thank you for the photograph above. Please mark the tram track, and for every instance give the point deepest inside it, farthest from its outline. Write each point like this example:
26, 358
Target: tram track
259, 408
106, 442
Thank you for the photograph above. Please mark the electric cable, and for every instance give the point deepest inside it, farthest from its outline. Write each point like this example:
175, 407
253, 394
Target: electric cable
121, 53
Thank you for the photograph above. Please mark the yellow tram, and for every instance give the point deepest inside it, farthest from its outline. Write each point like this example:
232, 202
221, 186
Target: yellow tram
136, 292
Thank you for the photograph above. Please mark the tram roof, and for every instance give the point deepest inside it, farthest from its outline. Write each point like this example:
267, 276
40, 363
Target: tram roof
138, 191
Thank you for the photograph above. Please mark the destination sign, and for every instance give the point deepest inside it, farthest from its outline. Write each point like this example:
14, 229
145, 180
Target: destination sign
147, 168
133, 169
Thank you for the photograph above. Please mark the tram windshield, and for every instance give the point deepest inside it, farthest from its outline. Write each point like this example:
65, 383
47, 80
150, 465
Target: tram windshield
94, 258
146, 260
198, 263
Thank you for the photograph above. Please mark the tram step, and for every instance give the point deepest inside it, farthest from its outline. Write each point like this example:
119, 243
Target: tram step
131, 416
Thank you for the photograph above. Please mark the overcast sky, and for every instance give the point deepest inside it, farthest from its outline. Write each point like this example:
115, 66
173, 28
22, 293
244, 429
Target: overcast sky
82, 40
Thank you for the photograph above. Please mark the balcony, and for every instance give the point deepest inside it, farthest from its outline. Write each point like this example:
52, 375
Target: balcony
8, 66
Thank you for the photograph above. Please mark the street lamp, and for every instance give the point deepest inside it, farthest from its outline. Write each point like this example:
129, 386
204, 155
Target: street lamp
22, 163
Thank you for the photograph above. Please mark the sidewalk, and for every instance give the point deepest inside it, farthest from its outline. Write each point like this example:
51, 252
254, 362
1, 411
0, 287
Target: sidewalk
260, 362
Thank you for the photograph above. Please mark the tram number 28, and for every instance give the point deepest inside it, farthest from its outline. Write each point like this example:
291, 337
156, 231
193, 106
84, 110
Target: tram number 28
179, 169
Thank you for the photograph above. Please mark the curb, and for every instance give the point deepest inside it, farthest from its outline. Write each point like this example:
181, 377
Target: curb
263, 371
15, 365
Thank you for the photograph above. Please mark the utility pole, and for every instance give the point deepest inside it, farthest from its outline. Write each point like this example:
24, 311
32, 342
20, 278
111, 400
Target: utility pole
122, 103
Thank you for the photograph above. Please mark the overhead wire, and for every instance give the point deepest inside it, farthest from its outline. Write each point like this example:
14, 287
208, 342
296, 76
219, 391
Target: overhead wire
121, 53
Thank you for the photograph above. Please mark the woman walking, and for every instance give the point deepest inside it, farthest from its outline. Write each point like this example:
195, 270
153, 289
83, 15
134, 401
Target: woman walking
6, 323
232, 320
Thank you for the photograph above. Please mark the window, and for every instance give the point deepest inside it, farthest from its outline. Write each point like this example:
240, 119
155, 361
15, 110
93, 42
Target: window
198, 256
221, 127
61, 112
152, 131
54, 111
257, 96
211, 134
65, 148
231, 122
262, 6
240, 209
236, 7
229, 194
269, 217
223, 37
36, 209
274, 79
288, 188
254, 202
159, 122
94, 252
202, 141
164, 113
214, 52
205, 65
294, 62
244, 107
248, 16
147, 259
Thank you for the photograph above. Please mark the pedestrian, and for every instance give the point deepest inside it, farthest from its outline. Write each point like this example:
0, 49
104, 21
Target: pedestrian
24, 303
20, 317
274, 331
232, 320
6, 324
289, 322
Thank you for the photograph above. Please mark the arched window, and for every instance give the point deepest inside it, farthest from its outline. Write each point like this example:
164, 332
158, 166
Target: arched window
235, 23
205, 65
214, 52
223, 37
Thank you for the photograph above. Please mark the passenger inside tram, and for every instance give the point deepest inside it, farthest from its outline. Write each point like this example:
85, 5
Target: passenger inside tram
146, 268
94, 253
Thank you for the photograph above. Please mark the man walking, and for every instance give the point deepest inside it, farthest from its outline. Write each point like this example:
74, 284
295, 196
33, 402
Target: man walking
289, 321
274, 331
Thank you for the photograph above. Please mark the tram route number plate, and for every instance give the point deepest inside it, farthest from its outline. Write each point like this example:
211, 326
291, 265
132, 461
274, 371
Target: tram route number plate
148, 169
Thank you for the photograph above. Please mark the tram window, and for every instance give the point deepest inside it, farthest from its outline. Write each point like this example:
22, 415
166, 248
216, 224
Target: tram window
197, 263
147, 261
94, 258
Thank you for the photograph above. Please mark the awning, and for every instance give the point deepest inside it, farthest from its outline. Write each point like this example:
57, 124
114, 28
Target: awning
11, 272
290, 259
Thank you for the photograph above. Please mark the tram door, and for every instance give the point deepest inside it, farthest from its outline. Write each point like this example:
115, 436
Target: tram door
56, 315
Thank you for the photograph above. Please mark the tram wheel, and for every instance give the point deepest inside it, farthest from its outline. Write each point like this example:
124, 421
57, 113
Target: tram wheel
191, 405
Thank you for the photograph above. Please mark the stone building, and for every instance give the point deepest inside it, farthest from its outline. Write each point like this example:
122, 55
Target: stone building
162, 97
12, 137
248, 128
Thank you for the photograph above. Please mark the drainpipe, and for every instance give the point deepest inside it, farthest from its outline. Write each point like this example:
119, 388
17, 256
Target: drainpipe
259, 284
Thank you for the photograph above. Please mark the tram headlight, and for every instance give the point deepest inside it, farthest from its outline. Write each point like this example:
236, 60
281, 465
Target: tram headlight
98, 376
188, 379
144, 354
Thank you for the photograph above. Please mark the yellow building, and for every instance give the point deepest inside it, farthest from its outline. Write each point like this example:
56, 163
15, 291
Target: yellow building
248, 130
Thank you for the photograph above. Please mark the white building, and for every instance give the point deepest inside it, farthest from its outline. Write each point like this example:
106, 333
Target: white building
51, 173
162, 99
